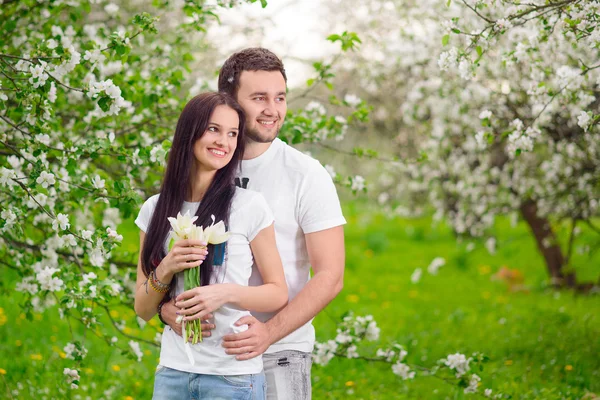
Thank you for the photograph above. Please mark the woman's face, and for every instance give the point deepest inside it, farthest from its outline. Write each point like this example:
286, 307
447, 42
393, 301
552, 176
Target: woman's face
215, 148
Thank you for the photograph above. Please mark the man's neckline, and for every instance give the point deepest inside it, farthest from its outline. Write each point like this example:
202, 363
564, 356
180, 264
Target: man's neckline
264, 157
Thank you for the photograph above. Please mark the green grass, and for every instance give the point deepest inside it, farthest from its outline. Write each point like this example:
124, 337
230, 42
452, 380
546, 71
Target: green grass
543, 344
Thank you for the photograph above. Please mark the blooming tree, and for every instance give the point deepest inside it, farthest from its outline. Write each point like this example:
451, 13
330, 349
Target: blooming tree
455, 369
90, 93
494, 109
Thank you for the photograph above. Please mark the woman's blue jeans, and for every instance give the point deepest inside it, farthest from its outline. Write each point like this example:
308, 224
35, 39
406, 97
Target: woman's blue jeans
170, 384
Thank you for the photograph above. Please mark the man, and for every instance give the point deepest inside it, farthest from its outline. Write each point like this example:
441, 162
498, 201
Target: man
308, 226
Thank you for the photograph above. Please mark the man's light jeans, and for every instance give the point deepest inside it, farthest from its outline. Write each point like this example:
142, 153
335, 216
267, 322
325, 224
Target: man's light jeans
288, 375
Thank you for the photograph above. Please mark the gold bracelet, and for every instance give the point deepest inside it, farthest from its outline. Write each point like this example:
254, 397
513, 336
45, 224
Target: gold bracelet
153, 286
157, 282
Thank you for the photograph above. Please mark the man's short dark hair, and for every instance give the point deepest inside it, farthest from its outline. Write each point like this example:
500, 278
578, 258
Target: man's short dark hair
251, 59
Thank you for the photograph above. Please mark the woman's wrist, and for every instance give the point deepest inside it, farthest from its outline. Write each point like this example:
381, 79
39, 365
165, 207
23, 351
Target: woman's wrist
232, 293
163, 275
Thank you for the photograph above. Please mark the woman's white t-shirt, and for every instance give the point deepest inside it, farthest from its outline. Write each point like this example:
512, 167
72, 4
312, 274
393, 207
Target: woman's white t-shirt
249, 215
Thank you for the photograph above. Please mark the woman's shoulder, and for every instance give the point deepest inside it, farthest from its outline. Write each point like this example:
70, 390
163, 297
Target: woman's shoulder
244, 198
146, 212
151, 201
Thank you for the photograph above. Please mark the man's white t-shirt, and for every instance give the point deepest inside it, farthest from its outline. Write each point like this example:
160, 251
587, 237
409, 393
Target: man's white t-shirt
303, 198
249, 215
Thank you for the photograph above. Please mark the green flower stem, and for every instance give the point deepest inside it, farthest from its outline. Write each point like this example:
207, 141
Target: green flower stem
192, 280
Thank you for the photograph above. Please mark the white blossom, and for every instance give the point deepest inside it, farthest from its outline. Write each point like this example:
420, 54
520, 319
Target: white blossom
52, 93
69, 240
481, 139
435, 265
352, 100
415, 277
47, 281
465, 70
94, 56
9, 218
343, 337
87, 279
324, 352
352, 352
114, 288
113, 234
316, 107
27, 285
448, 59
373, 331
111, 8
135, 347
46, 179
503, 24
458, 362
403, 371
97, 258
62, 221
490, 245
51, 44
358, 183
98, 182
7, 176
157, 154
473, 383
583, 120
485, 114
72, 352
38, 76
72, 376
44, 139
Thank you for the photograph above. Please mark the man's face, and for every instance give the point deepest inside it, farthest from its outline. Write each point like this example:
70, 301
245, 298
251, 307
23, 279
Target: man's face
262, 96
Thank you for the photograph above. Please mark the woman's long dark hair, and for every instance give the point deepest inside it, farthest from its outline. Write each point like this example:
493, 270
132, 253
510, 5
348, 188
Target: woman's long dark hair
193, 123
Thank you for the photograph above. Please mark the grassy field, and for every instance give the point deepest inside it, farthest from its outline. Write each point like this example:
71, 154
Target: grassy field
543, 344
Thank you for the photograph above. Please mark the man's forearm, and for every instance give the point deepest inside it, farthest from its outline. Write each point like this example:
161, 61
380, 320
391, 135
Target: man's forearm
318, 292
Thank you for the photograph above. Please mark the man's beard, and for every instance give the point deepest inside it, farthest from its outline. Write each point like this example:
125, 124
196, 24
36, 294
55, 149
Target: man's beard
255, 136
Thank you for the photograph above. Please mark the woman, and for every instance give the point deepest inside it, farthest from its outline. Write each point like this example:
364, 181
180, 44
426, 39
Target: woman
207, 149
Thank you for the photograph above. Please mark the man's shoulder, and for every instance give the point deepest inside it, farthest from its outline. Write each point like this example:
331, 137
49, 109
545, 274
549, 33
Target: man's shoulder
296, 161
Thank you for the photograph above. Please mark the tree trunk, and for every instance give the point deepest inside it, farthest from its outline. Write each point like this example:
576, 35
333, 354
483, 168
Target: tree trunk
555, 261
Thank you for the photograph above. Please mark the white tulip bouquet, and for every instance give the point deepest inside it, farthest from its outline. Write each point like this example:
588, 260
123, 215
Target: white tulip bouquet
184, 228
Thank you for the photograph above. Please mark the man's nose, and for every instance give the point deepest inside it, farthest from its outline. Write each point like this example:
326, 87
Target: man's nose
270, 108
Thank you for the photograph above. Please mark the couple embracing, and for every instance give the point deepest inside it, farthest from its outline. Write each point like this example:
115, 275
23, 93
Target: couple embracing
281, 209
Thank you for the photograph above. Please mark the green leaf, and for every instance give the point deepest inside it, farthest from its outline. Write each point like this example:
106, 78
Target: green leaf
445, 39
118, 185
104, 103
263, 3
455, 30
10, 25
334, 37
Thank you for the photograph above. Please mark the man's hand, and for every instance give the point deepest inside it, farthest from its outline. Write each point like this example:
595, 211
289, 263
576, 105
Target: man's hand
168, 313
250, 343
